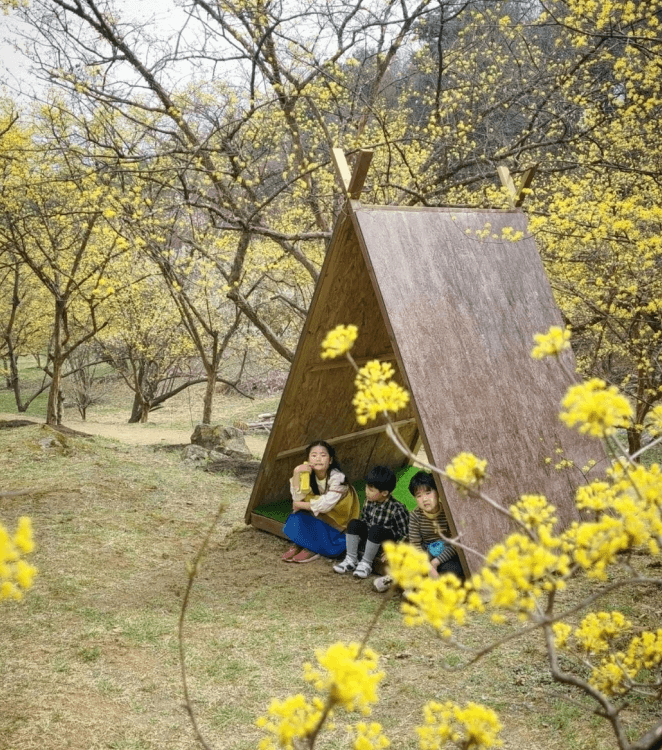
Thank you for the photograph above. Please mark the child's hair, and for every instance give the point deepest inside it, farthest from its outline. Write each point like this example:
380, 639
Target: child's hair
381, 478
333, 465
421, 479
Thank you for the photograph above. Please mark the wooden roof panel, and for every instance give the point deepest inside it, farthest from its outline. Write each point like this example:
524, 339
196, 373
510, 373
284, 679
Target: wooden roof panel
463, 304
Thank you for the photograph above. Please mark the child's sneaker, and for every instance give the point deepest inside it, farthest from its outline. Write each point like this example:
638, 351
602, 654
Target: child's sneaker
363, 569
383, 584
346, 566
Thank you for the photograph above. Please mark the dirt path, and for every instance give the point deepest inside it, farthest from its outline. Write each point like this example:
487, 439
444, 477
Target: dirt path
138, 434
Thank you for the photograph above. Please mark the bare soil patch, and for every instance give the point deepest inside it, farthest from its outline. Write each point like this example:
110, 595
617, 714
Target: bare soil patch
132, 434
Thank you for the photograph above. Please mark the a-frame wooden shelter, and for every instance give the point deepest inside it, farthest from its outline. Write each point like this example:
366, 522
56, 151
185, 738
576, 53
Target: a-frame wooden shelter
453, 305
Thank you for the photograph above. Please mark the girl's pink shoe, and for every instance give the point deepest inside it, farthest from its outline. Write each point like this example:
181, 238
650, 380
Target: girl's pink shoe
305, 556
291, 552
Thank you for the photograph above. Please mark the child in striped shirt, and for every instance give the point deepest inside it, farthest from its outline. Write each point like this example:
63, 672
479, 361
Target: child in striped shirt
427, 524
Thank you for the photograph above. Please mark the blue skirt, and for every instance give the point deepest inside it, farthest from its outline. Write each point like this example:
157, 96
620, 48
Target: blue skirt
308, 531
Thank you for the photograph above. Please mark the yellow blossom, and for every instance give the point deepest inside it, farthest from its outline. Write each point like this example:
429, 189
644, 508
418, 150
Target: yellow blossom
369, 736
376, 393
350, 677
339, 341
471, 727
289, 720
597, 630
15, 573
407, 564
534, 512
551, 343
596, 408
466, 469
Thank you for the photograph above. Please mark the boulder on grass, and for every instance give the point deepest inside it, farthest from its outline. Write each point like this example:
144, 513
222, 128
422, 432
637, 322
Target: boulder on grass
226, 440
195, 453
206, 435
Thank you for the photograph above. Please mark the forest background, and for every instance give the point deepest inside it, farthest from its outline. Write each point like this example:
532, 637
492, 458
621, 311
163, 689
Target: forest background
167, 196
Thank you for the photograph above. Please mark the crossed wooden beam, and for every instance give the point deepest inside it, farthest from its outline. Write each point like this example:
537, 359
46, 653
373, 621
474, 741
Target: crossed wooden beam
516, 195
352, 180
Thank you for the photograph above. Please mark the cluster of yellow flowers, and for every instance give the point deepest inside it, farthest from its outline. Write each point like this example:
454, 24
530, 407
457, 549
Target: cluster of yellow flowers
466, 469
376, 392
16, 573
598, 629
339, 341
530, 563
348, 676
596, 408
628, 516
368, 736
289, 720
470, 728
518, 571
552, 343
598, 633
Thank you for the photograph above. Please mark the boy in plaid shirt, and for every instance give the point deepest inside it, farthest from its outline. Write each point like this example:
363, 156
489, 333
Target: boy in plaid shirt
382, 517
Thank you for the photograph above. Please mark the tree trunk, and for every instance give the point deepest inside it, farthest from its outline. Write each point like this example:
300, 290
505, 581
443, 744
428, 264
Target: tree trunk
54, 407
13, 381
209, 394
139, 410
634, 440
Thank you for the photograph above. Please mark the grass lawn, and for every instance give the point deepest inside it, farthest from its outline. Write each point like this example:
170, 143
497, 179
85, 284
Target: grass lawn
89, 658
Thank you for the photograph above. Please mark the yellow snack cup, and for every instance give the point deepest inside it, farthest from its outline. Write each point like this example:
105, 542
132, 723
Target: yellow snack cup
304, 481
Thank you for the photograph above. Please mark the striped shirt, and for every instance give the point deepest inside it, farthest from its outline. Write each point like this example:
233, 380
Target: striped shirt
424, 531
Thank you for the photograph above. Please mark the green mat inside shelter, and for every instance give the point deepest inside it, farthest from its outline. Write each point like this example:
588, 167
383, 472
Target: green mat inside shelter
281, 510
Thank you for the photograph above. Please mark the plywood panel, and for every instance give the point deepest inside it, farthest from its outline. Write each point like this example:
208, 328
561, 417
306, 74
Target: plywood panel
462, 306
316, 402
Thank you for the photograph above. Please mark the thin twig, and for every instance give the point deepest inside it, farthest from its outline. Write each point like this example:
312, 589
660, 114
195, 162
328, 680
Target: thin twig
192, 572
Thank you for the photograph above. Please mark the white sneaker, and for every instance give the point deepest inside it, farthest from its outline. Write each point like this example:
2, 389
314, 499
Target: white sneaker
346, 566
383, 584
363, 569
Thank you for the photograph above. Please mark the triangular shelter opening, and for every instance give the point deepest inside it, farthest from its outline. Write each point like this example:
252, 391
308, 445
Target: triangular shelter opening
453, 303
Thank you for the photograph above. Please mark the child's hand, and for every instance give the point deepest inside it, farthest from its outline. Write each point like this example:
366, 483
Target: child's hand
302, 467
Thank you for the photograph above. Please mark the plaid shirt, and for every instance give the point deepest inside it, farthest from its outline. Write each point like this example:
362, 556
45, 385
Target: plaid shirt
390, 514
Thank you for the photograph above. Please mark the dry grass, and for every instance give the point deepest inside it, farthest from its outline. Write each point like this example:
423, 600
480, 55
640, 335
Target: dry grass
89, 658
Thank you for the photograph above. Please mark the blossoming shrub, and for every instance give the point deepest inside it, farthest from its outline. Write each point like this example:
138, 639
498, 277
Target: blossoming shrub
521, 581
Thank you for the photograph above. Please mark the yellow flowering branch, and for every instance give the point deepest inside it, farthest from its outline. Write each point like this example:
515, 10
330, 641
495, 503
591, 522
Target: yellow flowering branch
534, 563
16, 575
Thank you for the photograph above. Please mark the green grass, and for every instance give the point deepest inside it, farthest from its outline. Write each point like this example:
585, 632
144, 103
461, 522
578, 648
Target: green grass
115, 531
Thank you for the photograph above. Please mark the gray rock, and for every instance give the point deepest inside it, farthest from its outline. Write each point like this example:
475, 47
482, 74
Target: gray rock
206, 435
195, 453
236, 448
51, 443
226, 440
231, 433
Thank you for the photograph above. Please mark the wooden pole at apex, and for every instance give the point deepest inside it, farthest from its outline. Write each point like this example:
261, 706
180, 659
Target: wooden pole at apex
351, 181
516, 195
